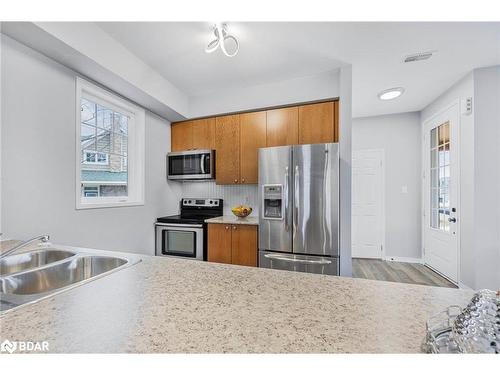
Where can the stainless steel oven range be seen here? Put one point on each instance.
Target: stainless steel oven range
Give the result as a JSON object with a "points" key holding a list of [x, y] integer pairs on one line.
{"points": [[185, 235]]}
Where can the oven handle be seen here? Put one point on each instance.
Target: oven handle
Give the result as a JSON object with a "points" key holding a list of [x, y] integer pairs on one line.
{"points": [[180, 225]]}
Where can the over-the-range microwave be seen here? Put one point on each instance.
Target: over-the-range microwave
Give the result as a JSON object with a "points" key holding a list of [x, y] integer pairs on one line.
{"points": [[191, 165]]}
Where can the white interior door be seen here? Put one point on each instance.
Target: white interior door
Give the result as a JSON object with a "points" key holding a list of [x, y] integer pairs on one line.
{"points": [[367, 204], [441, 195]]}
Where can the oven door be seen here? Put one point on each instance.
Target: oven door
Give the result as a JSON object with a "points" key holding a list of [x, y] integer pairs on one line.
{"points": [[190, 165], [181, 240]]}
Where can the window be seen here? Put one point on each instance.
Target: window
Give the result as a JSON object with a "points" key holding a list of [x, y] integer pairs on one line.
{"points": [[110, 149], [94, 157], [440, 177]]}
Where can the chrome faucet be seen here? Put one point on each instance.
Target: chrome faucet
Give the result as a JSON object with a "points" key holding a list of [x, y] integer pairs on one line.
{"points": [[44, 238]]}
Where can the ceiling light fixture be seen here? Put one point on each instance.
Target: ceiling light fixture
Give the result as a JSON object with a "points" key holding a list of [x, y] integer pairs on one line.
{"points": [[390, 94], [221, 37]]}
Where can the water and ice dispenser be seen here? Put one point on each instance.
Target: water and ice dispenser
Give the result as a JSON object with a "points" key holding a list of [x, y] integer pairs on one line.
{"points": [[273, 202]]}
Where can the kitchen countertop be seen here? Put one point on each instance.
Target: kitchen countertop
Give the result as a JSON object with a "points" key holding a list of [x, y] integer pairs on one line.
{"points": [[174, 305], [249, 220]]}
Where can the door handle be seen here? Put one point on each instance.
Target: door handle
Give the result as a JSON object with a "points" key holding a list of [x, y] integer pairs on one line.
{"points": [[452, 219], [202, 163], [295, 260]]}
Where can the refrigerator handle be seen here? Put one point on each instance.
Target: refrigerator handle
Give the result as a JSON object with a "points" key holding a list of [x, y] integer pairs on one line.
{"points": [[296, 260], [296, 200], [286, 199]]}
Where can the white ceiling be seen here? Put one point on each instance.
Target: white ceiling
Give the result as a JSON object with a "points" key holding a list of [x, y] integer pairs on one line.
{"points": [[271, 52]]}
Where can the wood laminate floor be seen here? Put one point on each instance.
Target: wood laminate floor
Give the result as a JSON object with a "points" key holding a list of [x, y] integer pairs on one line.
{"points": [[412, 273]]}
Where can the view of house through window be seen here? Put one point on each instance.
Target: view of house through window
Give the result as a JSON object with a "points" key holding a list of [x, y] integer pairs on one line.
{"points": [[103, 149]]}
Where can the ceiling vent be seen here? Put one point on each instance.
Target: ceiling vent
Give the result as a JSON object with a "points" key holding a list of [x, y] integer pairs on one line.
{"points": [[418, 56]]}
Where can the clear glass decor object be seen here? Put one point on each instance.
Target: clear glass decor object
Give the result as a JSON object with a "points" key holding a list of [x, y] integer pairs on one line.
{"points": [[473, 329]]}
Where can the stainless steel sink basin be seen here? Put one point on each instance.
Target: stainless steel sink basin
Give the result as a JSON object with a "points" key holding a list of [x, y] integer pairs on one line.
{"points": [[59, 276], [30, 277], [34, 259]]}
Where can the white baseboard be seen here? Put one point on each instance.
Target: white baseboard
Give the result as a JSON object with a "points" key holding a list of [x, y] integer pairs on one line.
{"points": [[389, 258]]}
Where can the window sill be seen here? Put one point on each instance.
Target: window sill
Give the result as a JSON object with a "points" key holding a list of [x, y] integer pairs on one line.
{"points": [[107, 204]]}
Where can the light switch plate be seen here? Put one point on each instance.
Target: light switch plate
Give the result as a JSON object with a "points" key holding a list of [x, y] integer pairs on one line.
{"points": [[467, 106]]}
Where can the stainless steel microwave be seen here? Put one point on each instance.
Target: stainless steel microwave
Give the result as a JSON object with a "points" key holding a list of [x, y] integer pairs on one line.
{"points": [[191, 165]]}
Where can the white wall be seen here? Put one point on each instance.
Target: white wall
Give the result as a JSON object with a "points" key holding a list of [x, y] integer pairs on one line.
{"points": [[462, 90], [487, 177], [38, 153], [73, 44], [399, 136], [480, 175], [321, 86]]}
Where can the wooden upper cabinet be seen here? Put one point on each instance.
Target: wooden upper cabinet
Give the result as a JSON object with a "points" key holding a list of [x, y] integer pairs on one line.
{"points": [[193, 135], [316, 123], [282, 127], [182, 136], [219, 243], [244, 245], [203, 134], [252, 137], [336, 114], [227, 146]]}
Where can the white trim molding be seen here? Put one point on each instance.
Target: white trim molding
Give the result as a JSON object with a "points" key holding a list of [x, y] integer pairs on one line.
{"points": [[389, 258], [136, 147]]}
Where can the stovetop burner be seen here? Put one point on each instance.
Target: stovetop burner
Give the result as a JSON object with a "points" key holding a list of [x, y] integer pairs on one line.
{"points": [[195, 211]]}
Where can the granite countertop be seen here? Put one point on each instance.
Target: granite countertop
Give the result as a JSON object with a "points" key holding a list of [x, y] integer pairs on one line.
{"points": [[175, 305], [249, 220]]}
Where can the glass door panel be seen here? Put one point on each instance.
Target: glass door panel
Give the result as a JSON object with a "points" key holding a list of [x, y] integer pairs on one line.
{"points": [[440, 177]]}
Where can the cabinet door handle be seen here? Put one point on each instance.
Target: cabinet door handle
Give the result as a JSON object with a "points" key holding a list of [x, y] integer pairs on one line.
{"points": [[227, 227], [235, 181], [242, 180], [234, 227]]}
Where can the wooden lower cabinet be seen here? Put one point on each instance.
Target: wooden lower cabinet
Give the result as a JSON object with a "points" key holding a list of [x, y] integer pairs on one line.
{"points": [[219, 243], [244, 245], [234, 244]]}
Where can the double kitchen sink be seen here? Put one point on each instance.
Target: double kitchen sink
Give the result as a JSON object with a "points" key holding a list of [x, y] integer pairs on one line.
{"points": [[31, 276]]}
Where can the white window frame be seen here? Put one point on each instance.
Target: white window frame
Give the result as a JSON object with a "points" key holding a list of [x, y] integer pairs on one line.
{"points": [[135, 152], [105, 162]]}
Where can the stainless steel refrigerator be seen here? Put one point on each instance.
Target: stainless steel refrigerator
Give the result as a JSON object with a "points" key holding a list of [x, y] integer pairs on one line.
{"points": [[299, 208]]}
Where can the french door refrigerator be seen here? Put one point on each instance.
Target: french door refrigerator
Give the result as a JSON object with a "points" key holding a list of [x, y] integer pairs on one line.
{"points": [[299, 208]]}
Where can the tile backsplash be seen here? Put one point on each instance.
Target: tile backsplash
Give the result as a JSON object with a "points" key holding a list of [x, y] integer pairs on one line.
{"points": [[233, 195]]}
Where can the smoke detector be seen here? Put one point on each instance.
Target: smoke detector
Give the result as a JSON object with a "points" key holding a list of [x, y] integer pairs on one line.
{"points": [[418, 56]]}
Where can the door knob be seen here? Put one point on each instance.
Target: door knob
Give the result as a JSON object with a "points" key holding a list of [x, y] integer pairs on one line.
{"points": [[452, 219]]}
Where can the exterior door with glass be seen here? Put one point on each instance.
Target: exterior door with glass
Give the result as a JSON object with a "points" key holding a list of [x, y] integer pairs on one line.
{"points": [[441, 192]]}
